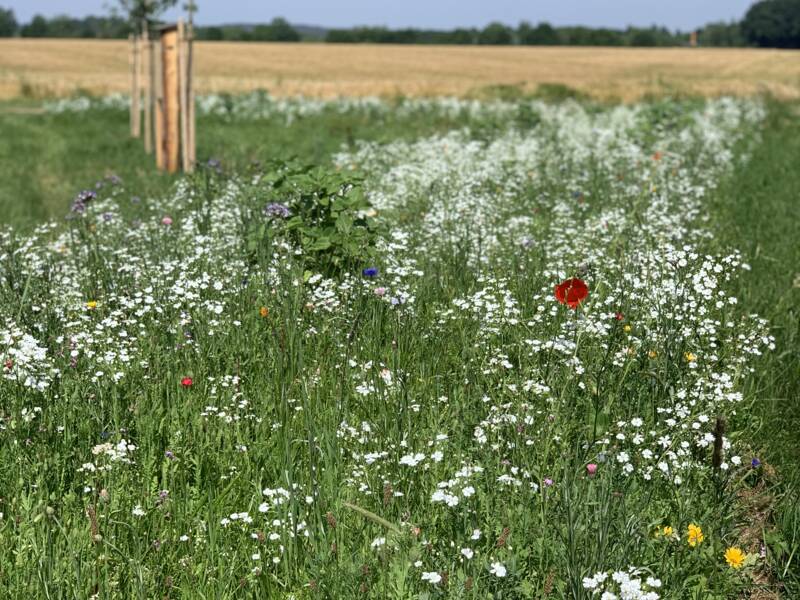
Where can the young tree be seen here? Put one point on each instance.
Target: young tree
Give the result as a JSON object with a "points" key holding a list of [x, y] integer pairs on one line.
{"points": [[8, 23], [143, 13]]}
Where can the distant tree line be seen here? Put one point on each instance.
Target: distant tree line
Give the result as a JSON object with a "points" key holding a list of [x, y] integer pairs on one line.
{"points": [[768, 23], [544, 34], [63, 26], [278, 30]]}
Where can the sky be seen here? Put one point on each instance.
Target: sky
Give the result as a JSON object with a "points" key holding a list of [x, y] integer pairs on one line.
{"points": [[434, 14]]}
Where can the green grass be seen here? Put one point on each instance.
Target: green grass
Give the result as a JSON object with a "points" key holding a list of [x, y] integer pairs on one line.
{"points": [[46, 159], [758, 212]]}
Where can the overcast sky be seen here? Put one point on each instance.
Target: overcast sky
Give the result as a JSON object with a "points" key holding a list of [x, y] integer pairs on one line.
{"points": [[674, 14]]}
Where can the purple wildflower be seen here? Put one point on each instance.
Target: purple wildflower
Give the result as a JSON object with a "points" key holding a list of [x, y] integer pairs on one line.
{"points": [[277, 210], [80, 201]]}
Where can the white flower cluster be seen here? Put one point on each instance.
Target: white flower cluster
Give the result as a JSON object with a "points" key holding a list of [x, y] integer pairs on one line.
{"points": [[622, 585], [260, 105]]}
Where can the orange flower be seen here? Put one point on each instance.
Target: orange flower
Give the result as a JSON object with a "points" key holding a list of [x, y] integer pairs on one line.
{"points": [[263, 311]]}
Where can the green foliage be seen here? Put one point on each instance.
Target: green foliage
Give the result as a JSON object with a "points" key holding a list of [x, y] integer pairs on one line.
{"points": [[768, 23], [8, 23], [722, 34], [36, 28], [773, 23], [496, 34], [63, 26], [139, 11], [558, 92], [331, 219], [278, 30], [543, 34]]}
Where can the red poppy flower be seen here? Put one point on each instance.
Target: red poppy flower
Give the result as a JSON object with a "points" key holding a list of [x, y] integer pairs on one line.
{"points": [[572, 292], [187, 382], [619, 316]]}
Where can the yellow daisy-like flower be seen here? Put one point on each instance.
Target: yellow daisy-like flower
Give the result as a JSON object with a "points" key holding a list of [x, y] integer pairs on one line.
{"points": [[263, 311], [627, 328], [652, 354], [690, 357], [695, 535], [735, 557], [91, 304], [665, 531]]}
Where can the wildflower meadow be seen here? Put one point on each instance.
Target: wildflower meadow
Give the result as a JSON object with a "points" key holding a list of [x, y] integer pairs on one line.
{"points": [[506, 358]]}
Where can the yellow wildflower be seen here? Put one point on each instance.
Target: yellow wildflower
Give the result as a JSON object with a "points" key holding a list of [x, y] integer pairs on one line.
{"points": [[695, 535], [689, 356], [734, 557], [665, 531], [652, 354], [627, 328], [91, 304], [263, 311]]}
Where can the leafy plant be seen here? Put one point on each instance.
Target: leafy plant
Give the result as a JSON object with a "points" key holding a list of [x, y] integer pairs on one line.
{"points": [[323, 212]]}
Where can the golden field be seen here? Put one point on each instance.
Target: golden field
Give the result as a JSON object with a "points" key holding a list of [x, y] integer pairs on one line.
{"points": [[62, 67]]}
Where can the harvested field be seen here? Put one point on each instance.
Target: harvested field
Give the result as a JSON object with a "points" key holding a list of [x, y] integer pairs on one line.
{"points": [[40, 68]]}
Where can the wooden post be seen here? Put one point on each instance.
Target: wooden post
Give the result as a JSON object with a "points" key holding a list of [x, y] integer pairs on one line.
{"points": [[191, 150], [168, 114], [158, 107], [184, 99], [148, 68], [136, 125]]}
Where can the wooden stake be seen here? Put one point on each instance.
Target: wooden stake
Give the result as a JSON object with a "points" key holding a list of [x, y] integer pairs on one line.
{"points": [[184, 100], [134, 108], [169, 105], [149, 76], [158, 108], [191, 8]]}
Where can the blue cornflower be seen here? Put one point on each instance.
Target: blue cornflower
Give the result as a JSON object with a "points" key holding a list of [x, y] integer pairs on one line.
{"points": [[755, 463], [370, 272]]}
